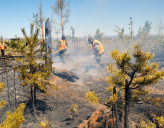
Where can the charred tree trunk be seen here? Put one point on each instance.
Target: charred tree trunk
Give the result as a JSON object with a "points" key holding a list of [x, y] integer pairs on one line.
{"points": [[113, 114], [73, 40], [7, 82], [115, 105], [127, 104], [15, 90], [35, 96], [32, 94], [131, 30], [117, 123], [33, 104]]}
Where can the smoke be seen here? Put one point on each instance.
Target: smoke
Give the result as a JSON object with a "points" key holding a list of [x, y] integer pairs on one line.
{"points": [[79, 61], [78, 57]]}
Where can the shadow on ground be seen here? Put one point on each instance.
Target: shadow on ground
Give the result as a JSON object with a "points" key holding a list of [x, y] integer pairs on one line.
{"points": [[41, 106]]}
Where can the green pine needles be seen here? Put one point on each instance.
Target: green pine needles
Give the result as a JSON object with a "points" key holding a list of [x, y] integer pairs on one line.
{"points": [[14, 120], [129, 77], [35, 65], [33, 69]]}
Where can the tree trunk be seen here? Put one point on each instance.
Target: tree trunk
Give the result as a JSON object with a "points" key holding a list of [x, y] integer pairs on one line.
{"points": [[117, 125], [115, 106], [131, 29], [31, 94], [131, 32], [42, 29], [73, 40], [15, 90], [35, 96], [112, 113], [33, 104], [127, 105], [62, 25], [41, 20]]}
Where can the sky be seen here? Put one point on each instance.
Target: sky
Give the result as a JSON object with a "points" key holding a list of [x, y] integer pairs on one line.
{"points": [[86, 16]]}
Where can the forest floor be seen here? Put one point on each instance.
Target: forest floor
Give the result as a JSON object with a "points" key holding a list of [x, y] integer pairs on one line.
{"points": [[74, 79]]}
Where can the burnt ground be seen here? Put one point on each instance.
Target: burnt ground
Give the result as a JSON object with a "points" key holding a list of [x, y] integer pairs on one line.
{"points": [[74, 78]]}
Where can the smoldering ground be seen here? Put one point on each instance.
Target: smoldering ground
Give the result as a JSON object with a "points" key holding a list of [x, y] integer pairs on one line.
{"points": [[78, 58], [79, 61]]}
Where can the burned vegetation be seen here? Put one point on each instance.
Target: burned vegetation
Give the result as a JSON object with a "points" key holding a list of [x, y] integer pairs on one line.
{"points": [[120, 86]]}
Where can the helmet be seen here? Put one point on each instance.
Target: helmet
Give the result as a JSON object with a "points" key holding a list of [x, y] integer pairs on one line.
{"points": [[63, 37], [90, 39]]}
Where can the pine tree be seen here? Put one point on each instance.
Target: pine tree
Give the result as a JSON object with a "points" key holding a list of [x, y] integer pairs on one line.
{"points": [[38, 19], [33, 71], [73, 111], [128, 80], [147, 27], [130, 75], [73, 32], [139, 34], [120, 32], [98, 34], [62, 10], [131, 27], [44, 124]]}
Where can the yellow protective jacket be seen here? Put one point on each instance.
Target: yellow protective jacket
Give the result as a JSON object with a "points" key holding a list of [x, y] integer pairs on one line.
{"points": [[101, 48], [2, 46], [63, 44]]}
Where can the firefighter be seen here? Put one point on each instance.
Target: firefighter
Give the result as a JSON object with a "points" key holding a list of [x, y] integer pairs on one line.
{"points": [[97, 48], [62, 45], [2, 46]]}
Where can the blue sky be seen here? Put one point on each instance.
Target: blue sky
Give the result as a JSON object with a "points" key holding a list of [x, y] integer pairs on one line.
{"points": [[86, 15]]}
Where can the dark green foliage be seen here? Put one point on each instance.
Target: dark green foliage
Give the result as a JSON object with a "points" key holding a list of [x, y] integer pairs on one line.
{"points": [[145, 30], [139, 34], [73, 34], [131, 27], [147, 26], [120, 32], [16, 44], [98, 34]]}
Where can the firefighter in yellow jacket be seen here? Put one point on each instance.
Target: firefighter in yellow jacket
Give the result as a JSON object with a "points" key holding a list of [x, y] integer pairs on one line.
{"points": [[62, 45], [97, 48], [2, 46]]}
